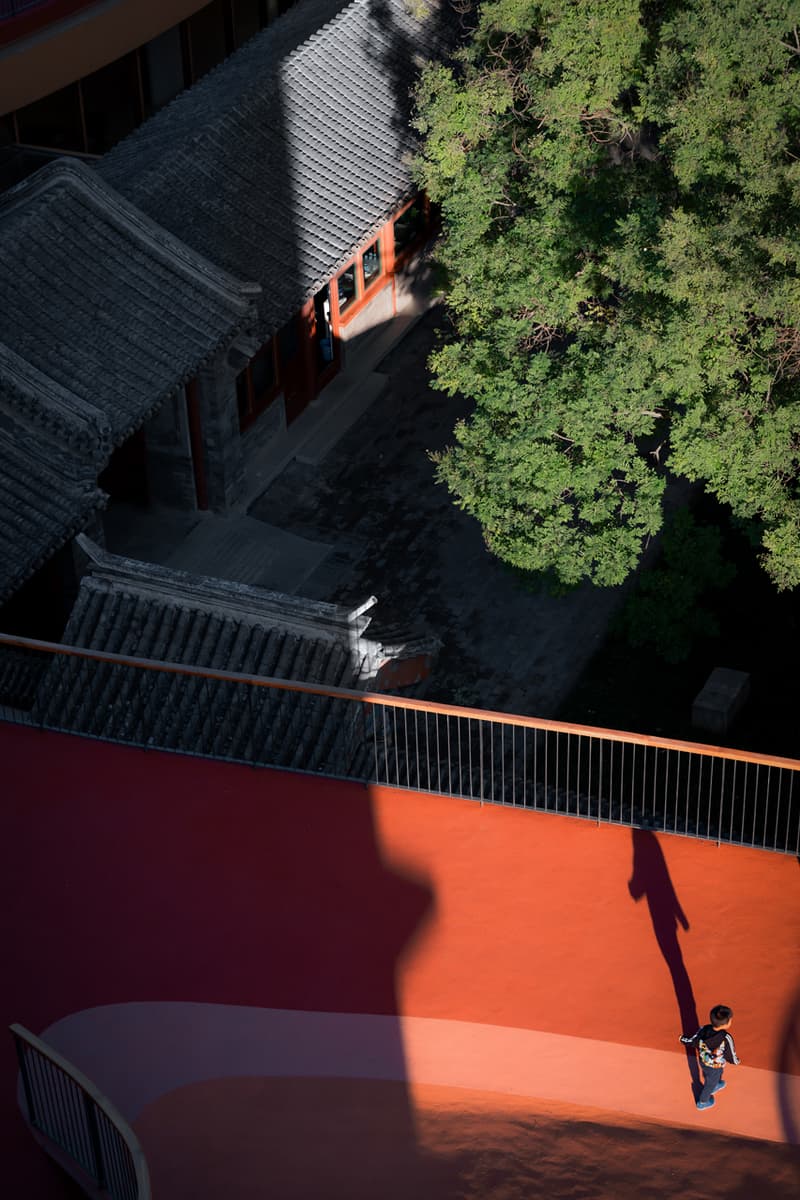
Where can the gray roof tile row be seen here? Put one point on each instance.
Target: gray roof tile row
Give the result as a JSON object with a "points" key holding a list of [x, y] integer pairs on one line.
{"points": [[47, 494], [103, 303], [102, 316], [145, 611]]}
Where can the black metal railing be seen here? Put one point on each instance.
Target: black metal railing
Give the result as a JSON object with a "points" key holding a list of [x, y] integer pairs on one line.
{"points": [[77, 1126], [597, 774]]}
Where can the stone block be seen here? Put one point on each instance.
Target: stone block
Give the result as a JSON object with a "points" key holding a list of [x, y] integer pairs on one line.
{"points": [[720, 700]]}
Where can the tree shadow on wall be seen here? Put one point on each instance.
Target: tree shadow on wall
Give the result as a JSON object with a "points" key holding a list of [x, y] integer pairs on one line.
{"points": [[650, 879]]}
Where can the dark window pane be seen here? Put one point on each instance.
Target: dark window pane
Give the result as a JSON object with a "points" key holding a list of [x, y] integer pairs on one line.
{"points": [[111, 103], [207, 35], [55, 121], [162, 69], [246, 19], [263, 370], [371, 263], [409, 226], [346, 284]]}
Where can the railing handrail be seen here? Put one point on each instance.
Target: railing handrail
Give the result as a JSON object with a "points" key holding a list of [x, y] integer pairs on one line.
{"points": [[378, 699], [109, 1110]]}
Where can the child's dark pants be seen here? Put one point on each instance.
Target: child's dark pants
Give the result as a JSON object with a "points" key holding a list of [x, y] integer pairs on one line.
{"points": [[712, 1076]]}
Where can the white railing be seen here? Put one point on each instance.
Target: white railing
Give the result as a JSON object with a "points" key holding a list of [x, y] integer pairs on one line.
{"points": [[77, 1126]]}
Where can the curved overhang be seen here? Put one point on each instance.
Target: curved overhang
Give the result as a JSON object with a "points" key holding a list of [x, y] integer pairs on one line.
{"points": [[69, 41]]}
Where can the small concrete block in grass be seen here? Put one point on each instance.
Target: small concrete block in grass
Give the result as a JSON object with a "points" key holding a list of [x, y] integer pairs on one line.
{"points": [[722, 697]]}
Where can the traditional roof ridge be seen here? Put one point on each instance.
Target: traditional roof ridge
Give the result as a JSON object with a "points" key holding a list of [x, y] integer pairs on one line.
{"points": [[42, 401], [240, 601], [112, 313], [133, 222]]}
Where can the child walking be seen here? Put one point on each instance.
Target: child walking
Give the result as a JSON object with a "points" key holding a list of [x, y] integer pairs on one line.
{"points": [[715, 1048]]}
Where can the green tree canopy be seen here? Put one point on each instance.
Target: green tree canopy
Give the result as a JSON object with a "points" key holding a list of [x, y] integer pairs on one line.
{"points": [[620, 191]]}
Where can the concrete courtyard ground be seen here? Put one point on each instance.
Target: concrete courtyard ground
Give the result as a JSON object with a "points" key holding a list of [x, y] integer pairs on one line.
{"points": [[361, 514]]}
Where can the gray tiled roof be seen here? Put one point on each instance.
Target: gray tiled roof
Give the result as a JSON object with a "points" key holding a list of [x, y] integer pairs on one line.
{"points": [[282, 160], [146, 611], [46, 495], [111, 313]]}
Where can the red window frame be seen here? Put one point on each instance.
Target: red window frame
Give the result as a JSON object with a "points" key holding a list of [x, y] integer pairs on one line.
{"points": [[363, 294], [400, 257]]}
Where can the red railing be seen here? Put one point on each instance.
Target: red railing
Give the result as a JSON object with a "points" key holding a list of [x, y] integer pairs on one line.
{"points": [[603, 775]]}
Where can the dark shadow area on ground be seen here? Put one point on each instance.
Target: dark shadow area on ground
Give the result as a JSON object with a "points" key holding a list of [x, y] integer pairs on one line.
{"points": [[622, 688], [650, 879]]}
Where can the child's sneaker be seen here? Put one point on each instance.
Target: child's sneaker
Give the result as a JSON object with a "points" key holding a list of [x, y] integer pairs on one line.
{"points": [[722, 1084], [705, 1104]]}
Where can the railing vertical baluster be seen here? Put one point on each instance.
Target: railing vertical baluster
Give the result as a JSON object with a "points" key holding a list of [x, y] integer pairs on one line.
{"points": [[755, 801], [428, 748], [677, 789], [778, 806], [600, 783], [558, 747], [733, 800], [406, 750], [374, 718], [655, 778], [449, 759], [710, 790], [611, 749], [546, 790], [396, 751], [27, 1091], [579, 741], [744, 805], [94, 1141]]}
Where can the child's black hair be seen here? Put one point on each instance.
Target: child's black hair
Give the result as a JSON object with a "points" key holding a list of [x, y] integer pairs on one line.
{"points": [[721, 1014]]}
